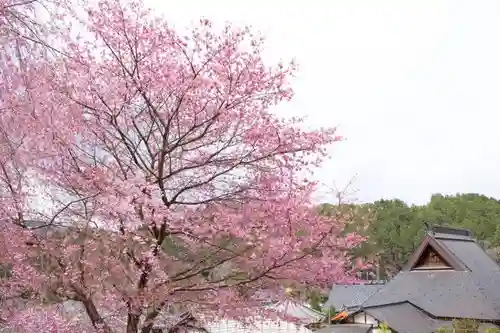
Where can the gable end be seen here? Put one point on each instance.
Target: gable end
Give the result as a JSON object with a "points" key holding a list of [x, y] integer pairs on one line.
{"points": [[430, 255], [431, 259]]}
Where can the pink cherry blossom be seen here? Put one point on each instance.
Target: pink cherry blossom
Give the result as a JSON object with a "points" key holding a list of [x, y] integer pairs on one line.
{"points": [[143, 172]]}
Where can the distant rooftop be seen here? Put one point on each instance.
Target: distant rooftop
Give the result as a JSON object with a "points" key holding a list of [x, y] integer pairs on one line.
{"points": [[352, 295], [439, 231]]}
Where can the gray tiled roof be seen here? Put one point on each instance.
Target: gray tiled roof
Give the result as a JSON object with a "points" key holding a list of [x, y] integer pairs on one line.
{"points": [[485, 271], [350, 295], [404, 317], [441, 293], [468, 293]]}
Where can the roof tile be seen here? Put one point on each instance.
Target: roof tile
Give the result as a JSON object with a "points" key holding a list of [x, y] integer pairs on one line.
{"points": [[468, 293], [351, 295]]}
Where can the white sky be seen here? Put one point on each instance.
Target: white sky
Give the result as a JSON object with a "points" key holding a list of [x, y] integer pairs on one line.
{"points": [[414, 86]]}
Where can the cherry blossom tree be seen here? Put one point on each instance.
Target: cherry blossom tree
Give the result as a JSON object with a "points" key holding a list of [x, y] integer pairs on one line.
{"points": [[32, 28], [143, 172]]}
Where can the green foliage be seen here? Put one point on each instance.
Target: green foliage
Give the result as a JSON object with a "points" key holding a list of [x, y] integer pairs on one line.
{"points": [[465, 326], [495, 241], [394, 234], [329, 312], [174, 246], [5, 271], [316, 299], [384, 328], [492, 330], [394, 229]]}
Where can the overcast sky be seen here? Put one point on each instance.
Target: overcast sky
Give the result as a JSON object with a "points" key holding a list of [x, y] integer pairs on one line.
{"points": [[414, 86]]}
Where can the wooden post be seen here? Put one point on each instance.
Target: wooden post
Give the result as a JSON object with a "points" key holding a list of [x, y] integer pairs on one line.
{"points": [[378, 267]]}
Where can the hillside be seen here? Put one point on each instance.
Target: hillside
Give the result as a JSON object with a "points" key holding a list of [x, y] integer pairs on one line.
{"points": [[394, 228]]}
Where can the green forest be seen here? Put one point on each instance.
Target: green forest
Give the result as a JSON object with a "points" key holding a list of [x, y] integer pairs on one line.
{"points": [[394, 229]]}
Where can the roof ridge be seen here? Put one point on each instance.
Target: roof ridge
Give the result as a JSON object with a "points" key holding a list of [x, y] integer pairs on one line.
{"points": [[447, 230], [406, 301], [450, 237]]}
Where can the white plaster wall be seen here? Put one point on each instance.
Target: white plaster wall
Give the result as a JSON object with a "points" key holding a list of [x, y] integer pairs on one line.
{"points": [[359, 318]]}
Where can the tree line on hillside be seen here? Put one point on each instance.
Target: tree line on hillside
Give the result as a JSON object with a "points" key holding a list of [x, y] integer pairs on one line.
{"points": [[394, 229]]}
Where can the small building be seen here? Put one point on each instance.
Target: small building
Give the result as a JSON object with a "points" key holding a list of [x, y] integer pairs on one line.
{"points": [[297, 312], [448, 277], [300, 315], [259, 326]]}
